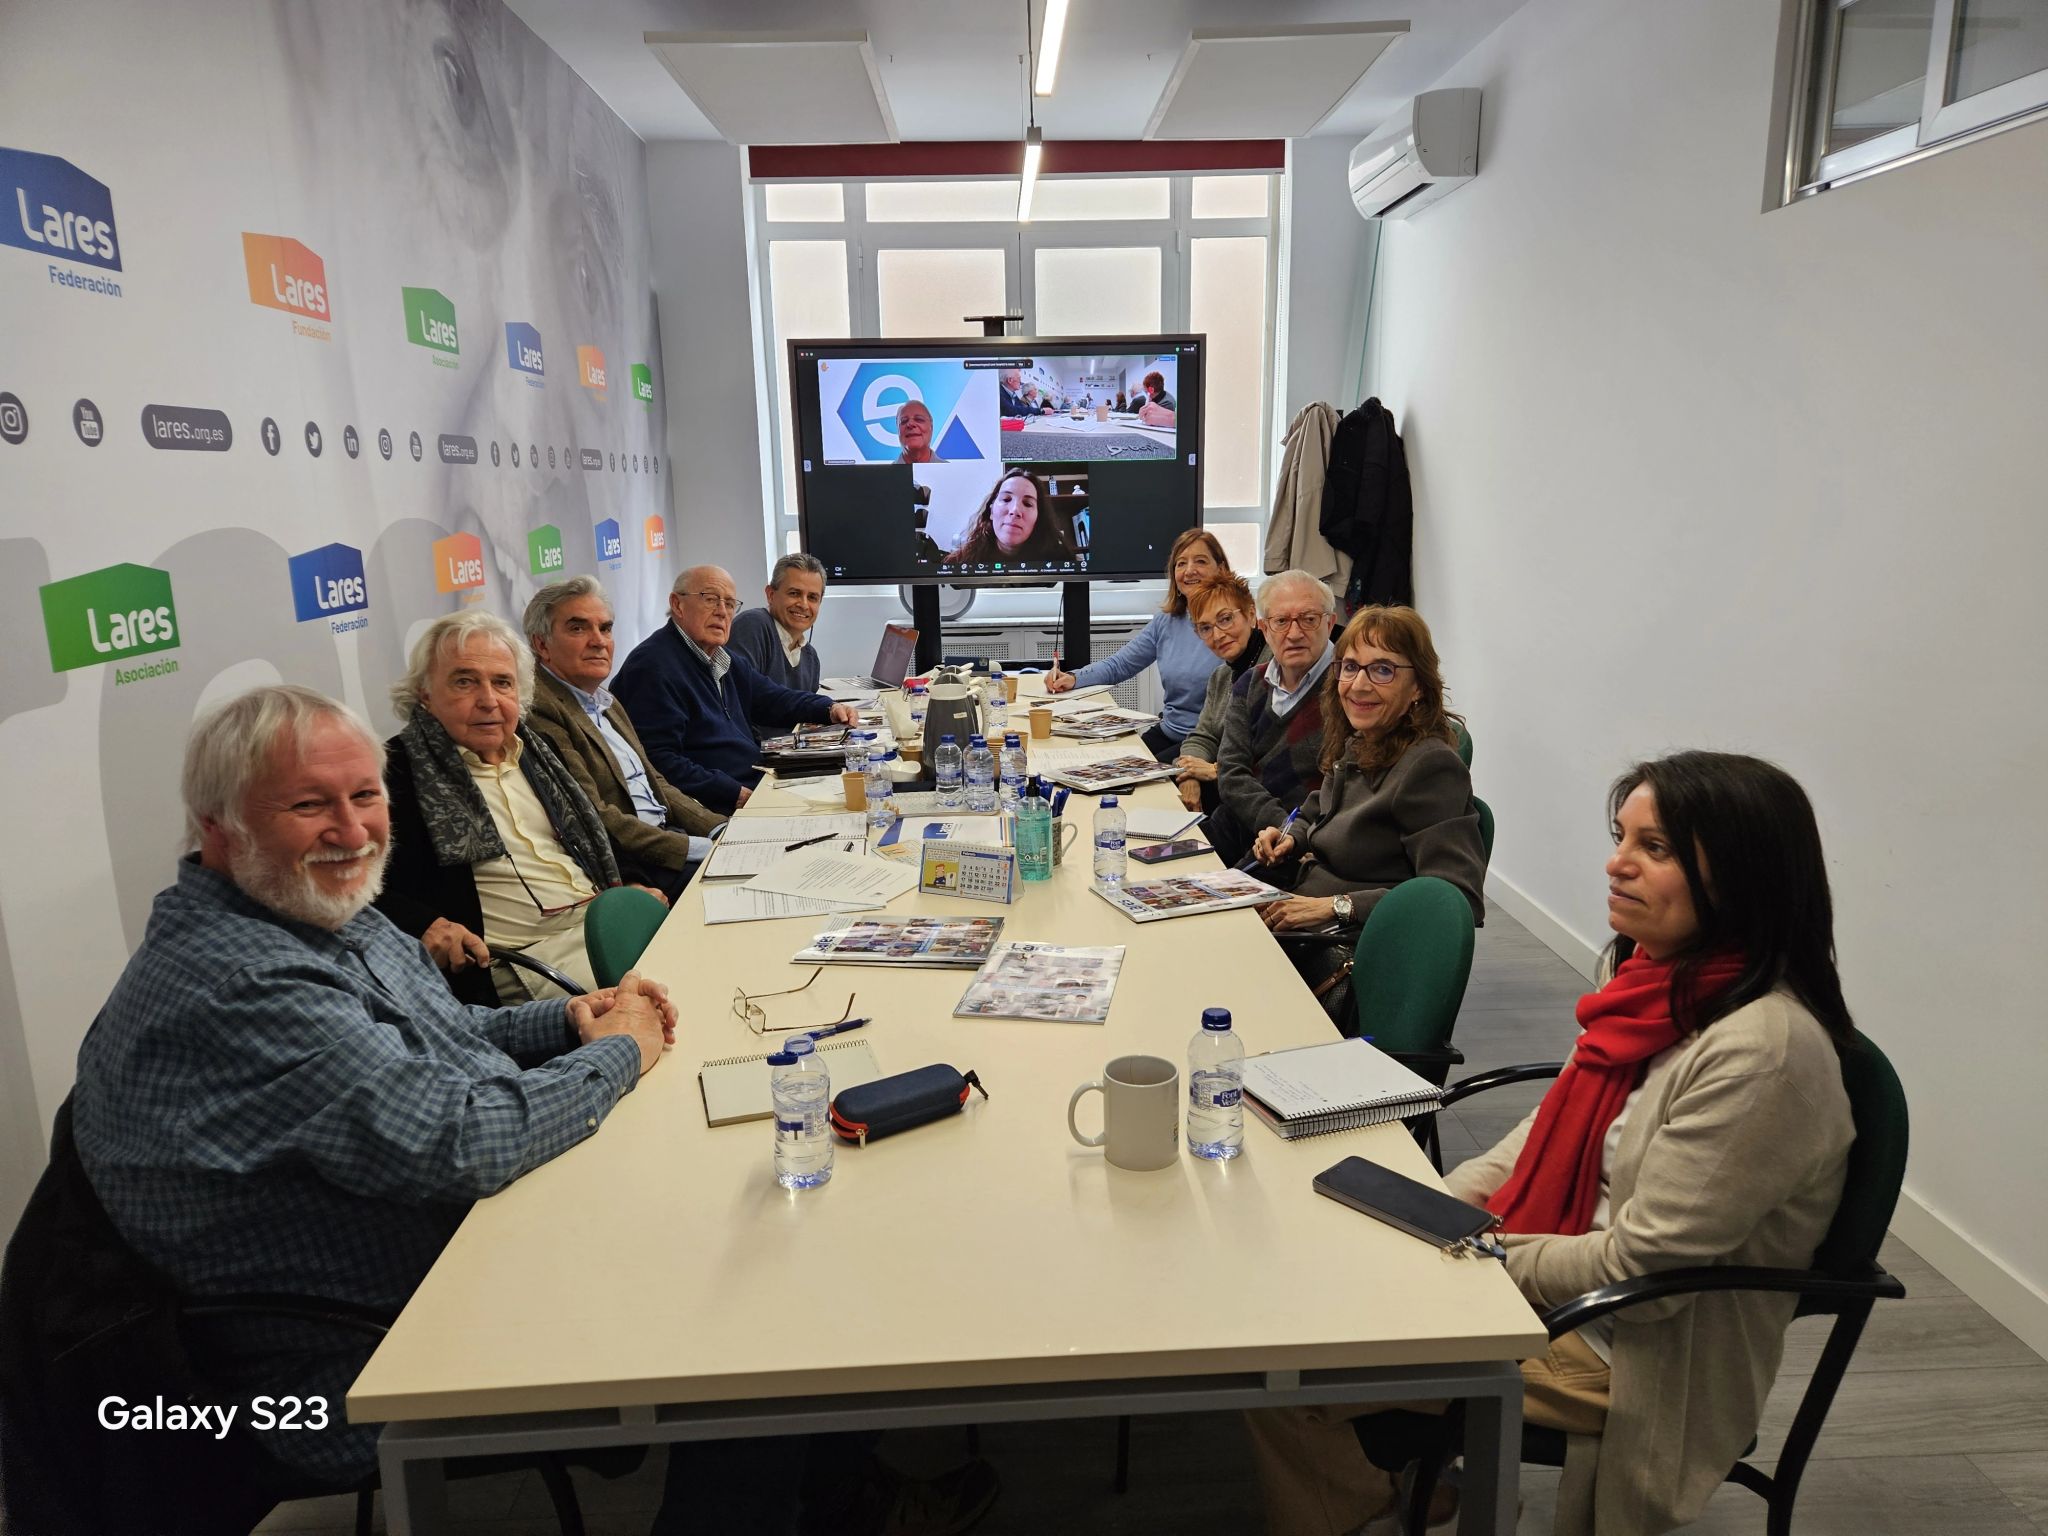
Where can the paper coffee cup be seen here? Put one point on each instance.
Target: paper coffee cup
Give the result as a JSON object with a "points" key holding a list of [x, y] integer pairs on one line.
{"points": [[1041, 723], [856, 790]]}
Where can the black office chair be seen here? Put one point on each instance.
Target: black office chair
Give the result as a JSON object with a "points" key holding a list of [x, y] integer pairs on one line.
{"points": [[1845, 1282], [520, 961]]}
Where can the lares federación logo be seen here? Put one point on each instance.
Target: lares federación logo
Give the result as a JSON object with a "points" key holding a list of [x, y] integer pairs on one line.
{"points": [[328, 583], [458, 563], [56, 211], [523, 351], [544, 550], [111, 615], [430, 323], [611, 544], [643, 383]]}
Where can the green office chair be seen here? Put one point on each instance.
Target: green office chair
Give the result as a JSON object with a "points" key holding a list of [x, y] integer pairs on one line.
{"points": [[1485, 826], [1464, 741], [617, 928], [1845, 1282]]}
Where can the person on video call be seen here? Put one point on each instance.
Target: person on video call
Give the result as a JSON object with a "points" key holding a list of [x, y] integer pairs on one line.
{"points": [[914, 432], [1014, 525], [1155, 407]]}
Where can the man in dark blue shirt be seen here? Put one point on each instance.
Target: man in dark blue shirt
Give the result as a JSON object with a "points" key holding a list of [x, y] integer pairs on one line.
{"points": [[697, 706], [281, 1093]]}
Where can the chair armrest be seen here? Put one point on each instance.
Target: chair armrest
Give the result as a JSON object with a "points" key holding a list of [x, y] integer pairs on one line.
{"points": [[540, 968], [318, 1309], [1500, 1077], [1809, 1283], [1332, 933]]}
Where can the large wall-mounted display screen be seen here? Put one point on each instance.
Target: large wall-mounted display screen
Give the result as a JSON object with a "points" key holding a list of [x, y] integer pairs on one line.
{"points": [[997, 459]]}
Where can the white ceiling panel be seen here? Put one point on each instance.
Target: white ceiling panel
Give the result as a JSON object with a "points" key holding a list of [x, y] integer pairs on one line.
{"points": [[1266, 83], [791, 87]]}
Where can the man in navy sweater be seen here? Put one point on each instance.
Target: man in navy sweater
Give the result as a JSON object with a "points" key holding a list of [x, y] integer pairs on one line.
{"points": [[697, 705]]}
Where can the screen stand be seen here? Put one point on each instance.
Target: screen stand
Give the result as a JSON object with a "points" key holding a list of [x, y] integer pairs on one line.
{"points": [[1074, 625], [924, 618]]}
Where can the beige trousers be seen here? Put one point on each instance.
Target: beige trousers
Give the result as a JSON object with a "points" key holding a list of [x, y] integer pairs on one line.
{"points": [[1317, 1481]]}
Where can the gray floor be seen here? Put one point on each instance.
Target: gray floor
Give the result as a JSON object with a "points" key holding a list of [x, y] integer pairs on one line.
{"points": [[1941, 1426]]}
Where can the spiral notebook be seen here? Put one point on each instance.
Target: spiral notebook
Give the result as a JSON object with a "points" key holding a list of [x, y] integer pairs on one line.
{"points": [[1316, 1089], [735, 1088]]}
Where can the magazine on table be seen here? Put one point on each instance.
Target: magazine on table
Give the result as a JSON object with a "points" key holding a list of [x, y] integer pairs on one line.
{"points": [[1055, 982], [1112, 773], [807, 741], [1148, 901], [1102, 725], [923, 941]]}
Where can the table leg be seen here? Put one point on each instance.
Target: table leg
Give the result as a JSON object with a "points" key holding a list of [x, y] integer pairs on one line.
{"points": [[415, 1494], [1493, 1462]]}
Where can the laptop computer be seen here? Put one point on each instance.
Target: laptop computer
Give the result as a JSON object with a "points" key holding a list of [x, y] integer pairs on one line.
{"points": [[892, 664]]}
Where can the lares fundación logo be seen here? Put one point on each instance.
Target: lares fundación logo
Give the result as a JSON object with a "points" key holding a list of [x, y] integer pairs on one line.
{"points": [[430, 323], [284, 275], [110, 615], [56, 210], [544, 550], [328, 582], [643, 383], [523, 354], [611, 545], [590, 370], [458, 563], [657, 536]]}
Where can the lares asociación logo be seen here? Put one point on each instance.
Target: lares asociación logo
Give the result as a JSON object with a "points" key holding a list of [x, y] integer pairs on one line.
{"points": [[544, 550], [430, 323], [111, 614], [643, 383], [328, 583], [523, 353], [56, 211]]}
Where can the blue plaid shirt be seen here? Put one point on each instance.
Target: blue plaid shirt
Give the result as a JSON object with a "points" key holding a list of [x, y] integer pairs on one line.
{"points": [[267, 1106]]}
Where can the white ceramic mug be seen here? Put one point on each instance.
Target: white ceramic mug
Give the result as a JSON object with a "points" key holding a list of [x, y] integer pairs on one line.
{"points": [[1063, 834], [1140, 1113]]}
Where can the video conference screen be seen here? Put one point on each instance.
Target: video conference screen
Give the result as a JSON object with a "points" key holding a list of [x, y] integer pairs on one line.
{"points": [[991, 460]]}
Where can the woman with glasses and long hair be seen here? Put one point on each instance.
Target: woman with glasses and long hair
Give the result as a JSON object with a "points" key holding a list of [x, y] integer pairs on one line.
{"points": [[1225, 619], [1395, 799], [1701, 1120], [1015, 525], [1185, 661]]}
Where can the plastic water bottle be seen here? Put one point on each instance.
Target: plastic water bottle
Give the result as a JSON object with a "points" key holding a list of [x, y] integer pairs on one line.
{"points": [[1111, 859], [1013, 770], [858, 744], [946, 769], [981, 777], [1216, 1088], [802, 1095], [881, 809], [995, 708]]}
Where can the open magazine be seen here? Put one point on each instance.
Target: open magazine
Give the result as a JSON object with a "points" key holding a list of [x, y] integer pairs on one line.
{"points": [[1147, 901], [1112, 773], [1044, 981], [928, 941]]}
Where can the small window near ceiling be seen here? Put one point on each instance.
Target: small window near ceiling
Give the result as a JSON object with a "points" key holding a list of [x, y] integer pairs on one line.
{"points": [[1243, 546], [1097, 290], [821, 202], [1230, 197], [929, 293], [1108, 197], [942, 202], [1227, 302]]}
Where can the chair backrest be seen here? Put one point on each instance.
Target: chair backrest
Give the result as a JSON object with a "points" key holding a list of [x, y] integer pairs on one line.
{"points": [[1464, 741], [1485, 826], [617, 927], [1877, 1161], [1414, 956]]}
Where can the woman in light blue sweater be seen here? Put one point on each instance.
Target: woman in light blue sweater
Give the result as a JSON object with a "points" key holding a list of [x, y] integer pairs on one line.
{"points": [[1169, 642]]}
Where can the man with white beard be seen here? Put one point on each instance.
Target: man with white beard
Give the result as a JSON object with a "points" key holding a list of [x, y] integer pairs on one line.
{"points": [[282, 1095]]}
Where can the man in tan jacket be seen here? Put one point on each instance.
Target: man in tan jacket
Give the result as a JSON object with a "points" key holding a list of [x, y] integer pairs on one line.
{"points": [[659, 833]]}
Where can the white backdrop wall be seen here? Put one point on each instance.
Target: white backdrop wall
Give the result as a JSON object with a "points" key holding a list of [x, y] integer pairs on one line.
{"points": [[432, 147], [1691, 475]]}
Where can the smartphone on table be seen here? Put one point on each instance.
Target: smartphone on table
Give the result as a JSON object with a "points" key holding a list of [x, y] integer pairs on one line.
{"points": [[1166, 853]]}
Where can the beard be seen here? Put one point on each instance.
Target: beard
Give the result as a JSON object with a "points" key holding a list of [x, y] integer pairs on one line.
{"points": [[289, 888]]}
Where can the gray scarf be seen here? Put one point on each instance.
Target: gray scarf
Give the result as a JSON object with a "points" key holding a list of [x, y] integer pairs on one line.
{"points": [[458, 822]]}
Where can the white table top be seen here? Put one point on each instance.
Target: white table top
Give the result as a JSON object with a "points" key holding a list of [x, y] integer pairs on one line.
{"points": [[659, 1262]]}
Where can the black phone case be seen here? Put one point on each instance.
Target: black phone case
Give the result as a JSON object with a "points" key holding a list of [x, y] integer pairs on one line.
{"points": [[1186, 853], [1437, 1218], [899, 1103]]}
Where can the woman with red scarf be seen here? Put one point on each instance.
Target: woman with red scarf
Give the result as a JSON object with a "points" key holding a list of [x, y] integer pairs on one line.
{"points": [[1701, 1119]]}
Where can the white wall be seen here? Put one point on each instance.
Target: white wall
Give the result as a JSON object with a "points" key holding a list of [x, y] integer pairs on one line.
{"points": [[1691, 475], [1330, 253]]}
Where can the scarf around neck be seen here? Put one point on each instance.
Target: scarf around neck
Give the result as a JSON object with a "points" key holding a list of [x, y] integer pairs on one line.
{"points": [[459, 824], [1253, 655], [1555, 1184]]}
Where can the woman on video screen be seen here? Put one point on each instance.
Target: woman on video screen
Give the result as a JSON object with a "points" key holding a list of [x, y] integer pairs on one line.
{"points": [[1015, 525]]}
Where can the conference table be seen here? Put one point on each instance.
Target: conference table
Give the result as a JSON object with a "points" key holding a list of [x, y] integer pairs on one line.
{"points": [[655, 1284]]}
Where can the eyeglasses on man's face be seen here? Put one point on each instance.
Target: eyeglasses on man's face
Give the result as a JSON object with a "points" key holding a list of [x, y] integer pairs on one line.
{"points": [[718, 601], [1307, 623], [749, 1009], [1380, 672]]}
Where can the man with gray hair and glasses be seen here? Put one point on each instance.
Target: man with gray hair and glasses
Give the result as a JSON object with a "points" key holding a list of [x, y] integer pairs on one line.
{"points": [[282, 1095], [775, 639], [1270, 757], [659, 833]]}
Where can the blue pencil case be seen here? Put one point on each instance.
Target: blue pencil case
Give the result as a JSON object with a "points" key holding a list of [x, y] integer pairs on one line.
{"points": [[900, 1103]]}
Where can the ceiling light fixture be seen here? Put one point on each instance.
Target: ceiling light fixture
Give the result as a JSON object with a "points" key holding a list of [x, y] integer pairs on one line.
{"points": [[1034, 151], [1049, 36]]}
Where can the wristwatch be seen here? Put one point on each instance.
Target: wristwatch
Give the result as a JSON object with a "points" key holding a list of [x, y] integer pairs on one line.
{"points": [[1341, 905]]}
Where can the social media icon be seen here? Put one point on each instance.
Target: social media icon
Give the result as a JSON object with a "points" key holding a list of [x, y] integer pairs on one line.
{"points": [[533, 453], [615, 462], [314, 441], [272, 438], [551, 456], [494, 453], [13, 418], [417, 447], [350, 443], [384, 442], [515, 455], [86, 422]]}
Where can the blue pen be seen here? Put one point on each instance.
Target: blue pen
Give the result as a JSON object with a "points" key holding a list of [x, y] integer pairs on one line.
{"points": [[834, 1029], [1286, 827], [1059, 802]]}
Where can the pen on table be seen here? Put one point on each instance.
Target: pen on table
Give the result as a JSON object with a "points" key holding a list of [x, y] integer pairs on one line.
{"points": [[833, 1029], [822, 837]]}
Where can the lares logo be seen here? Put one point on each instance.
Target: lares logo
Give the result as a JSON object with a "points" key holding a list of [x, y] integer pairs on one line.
{"points": [[283, 274], [458, 563], [430, 322], [57, 210], [657, 536], [523, 352], [611, 547], [868, 408], [590, 369], [328, 582], [643, 383], [544, 550], [109, 614]]}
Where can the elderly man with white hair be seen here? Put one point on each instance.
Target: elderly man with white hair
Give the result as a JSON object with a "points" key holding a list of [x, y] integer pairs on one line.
{"points": [[497, 846], [1270, 757], [282, 1095]]}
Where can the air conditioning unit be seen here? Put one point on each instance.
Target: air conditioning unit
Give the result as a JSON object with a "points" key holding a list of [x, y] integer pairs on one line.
{"points": [[1428, 149]]}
